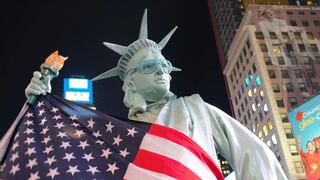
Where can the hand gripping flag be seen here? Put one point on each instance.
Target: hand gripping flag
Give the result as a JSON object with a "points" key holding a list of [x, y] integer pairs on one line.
{"points": [[57, 139]]}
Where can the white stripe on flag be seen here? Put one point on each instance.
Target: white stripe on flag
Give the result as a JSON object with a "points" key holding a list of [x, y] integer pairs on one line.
{"points": [[177, 152], [137, 173]]}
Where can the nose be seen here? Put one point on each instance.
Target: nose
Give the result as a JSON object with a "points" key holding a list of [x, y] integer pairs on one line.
{"points": [[159, 70]]}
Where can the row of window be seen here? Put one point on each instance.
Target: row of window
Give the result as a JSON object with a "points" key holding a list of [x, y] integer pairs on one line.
{"points": [[293, 61], [285, 35], [277, 48], [302, 13]]}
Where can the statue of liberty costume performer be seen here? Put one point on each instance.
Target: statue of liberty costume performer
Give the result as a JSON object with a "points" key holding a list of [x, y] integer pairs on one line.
{"points": [[146, 76]]}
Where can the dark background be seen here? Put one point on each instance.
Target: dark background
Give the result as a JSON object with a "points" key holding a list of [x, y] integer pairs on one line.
{"points": [[31, 30]]}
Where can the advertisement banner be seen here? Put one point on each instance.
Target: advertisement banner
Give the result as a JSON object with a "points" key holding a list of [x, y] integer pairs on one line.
{"points": [[305, 121]]}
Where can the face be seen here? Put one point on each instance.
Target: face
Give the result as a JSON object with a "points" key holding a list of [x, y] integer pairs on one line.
{"points": [[309, 146], [152, 86]]}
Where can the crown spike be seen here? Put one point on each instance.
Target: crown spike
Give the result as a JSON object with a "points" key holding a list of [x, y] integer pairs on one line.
{"points": [[164, 41], [122, 50], [110, 73], [144, 26]]}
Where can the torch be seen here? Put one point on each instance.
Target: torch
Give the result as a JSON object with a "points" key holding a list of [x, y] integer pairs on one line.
{"points": [[50, 68]]}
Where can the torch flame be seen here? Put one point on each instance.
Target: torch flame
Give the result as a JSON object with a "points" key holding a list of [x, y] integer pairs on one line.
{"points": [[56, 60]]}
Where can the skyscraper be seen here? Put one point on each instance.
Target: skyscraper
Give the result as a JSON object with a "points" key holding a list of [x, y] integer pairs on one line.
{"points": [[273, 65]]}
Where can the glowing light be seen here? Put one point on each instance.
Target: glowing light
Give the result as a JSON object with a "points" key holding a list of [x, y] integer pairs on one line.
{"points": [[247, 81], [253, 106], [250, 93], [261, 93], [274, 139], [258, 80], [265, 108]]}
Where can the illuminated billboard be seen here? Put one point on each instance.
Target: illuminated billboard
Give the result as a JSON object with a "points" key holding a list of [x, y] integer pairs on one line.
{"points": [[305, 121], [78, 90]]}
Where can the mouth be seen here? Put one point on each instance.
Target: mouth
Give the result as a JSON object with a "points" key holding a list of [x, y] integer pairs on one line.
{"points": [[160, 81]]}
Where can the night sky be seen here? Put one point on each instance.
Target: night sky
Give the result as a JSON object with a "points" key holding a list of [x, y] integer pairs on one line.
{"points": [[31, 30]]}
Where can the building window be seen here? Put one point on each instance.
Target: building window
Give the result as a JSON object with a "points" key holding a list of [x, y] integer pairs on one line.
{"points": [[254, 68], [270, 126], [316, 23], [313, 13], [237, 65], [302, 48], [244, 51], [297, 73], [289, 87], [298, 167], [306, 60], [293, 23], [294, 61], [288, 132], [302, 87], [280, 60], [315, 87], [310, 36], [289, 12], [314, 48], [277, 48], [273, 35], [280, 103], [293, 101], [265, 130], [267, 60], [285, 36], [263, 47], [284, 117], [248, 44], [301, 13], [272, 74], [297, 35], [274, 139], [289, 48], [305, 23], [311, 73], [285, 73], [259, 35], [293, 149]]}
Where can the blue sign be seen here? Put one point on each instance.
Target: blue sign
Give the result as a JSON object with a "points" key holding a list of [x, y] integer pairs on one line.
{"points": [[78, 90]]}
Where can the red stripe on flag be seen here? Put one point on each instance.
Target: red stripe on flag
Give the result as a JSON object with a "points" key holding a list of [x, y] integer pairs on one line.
{"points": [[183, 140], [161, 164]]}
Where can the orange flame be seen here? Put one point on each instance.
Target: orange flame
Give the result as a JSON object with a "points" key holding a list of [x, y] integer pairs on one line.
{"points": [[56, 60]]}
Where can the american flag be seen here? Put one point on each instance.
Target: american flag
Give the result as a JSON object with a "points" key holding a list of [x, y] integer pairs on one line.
{"points": [[57, 139]]}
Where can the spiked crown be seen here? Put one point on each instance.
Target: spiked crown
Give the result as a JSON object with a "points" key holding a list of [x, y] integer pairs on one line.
{"points": [[128, 52]]}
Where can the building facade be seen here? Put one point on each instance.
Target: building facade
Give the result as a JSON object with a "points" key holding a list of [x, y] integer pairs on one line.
{"points": [[273, 65]]}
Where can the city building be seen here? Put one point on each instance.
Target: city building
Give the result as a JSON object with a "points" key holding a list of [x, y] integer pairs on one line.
{"points": [[273, 65]]}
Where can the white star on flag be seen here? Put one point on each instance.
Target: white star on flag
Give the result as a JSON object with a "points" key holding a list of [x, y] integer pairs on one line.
{"points": [[109, 126], [15, 145], [79, 133], [30, 151], [99, 142], [96, 134], [48, 150], [46, 140], [106, 153], [59, 125], [57, 117], [90, 123], [44, 131], [34, 176], [28, 131], [88, 157], [124, 153], [29, 114], [14, 169], [73, 170], [74, 124], [43, 121], [83, 144], [32, 163], [65, 145], [117, 140], [61, 134], [28, 122], [54, 110], [69, 156], [41, 112], [50, 160], [29, 141], [131, 132], [40, 104], [92, 169], [74, 117], [112, 167], [53, 172], [14, 156]]}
